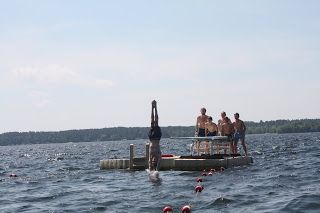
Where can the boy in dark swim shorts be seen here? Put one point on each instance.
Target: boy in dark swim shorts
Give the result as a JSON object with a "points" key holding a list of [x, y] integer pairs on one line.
{"points": [[239, 134], [154, 137], [201, 123], [211, 129], [200, 127]]}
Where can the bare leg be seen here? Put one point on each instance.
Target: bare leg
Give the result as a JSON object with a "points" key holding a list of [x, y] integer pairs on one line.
{"points": [[156, 118], [152, 157], [198, 147], [158, 162], [152, 116], [231, 147], [206, 151], [244, 147], [150, 163], [234, 148]]}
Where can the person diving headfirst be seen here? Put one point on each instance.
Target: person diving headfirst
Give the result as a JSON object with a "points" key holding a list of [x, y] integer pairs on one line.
{"points": [[154, 137]]}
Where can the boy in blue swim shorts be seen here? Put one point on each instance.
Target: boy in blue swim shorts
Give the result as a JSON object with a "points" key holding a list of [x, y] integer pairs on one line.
{"points": [[239, 134]]}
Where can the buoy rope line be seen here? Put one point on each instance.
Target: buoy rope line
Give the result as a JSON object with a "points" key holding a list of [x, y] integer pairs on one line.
{"points": [[197, 189]]}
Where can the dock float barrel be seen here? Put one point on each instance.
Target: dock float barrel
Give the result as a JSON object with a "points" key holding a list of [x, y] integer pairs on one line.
{"points": [[180, 163], [114, 164]]}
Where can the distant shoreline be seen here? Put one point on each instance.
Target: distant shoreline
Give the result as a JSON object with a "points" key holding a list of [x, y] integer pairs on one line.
{"points": [[132, 133]]}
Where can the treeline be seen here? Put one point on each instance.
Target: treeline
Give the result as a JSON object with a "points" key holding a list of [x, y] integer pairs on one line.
{"points": [[90, 135], [131, 133], [283, 126]]}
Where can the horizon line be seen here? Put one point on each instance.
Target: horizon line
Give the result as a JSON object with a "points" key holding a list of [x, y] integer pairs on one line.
{"points": [[36, 131]]}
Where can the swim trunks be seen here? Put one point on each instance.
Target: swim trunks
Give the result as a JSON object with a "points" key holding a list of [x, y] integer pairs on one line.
{"points": [[238, 136], [230, 136], [212, 134], [201, 132], [155, 133]]}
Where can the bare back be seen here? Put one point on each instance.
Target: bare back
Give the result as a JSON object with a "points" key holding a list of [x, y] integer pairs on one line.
{"points": [[226, 128], [211, 127]]}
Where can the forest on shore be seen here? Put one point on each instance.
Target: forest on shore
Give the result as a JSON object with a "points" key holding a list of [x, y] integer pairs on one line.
{"points": [[131, 133]]}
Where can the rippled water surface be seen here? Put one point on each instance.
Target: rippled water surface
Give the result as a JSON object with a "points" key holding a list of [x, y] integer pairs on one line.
{"points": [[66, 178]]}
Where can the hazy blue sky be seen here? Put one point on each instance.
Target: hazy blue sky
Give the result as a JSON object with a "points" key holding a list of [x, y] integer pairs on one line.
{"points": [[91, 64]]}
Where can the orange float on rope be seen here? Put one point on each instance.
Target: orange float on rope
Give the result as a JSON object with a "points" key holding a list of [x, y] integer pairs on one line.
{"points": [[186, 209], [210, 173], [204, 174], [199, 180], [198, 188], [167, 209], [222, 169]]}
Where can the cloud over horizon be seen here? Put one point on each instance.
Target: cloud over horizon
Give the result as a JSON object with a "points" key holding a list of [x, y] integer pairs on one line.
{"points": [[58, 74]]}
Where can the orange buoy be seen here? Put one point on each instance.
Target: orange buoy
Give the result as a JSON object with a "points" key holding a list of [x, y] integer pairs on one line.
{"points": [[222, 169], [199, 180], [13, 175], [210, 173], [186, 209], [167, 209], [198, 188]]}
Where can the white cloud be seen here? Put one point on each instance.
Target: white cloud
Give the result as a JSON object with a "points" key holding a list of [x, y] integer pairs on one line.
{"points": [[59, 74], [46, 74]]}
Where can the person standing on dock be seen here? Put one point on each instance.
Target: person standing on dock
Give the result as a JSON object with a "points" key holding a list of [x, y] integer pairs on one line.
{"points": [[211, 129], [201, 123], [227, 129], [201, 126], [239, 133], [154, 137], [221, 121]]}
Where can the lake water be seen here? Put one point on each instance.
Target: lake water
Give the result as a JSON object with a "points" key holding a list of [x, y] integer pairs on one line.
{"points": [[66, 178]]}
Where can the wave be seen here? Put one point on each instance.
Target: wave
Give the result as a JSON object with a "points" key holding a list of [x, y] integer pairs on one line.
{"points": [[303, 203]]}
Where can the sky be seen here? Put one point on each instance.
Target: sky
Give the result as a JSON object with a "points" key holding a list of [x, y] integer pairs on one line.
{"points": [[80, 64]]}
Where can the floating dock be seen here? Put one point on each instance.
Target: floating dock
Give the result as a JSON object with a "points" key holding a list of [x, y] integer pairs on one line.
{"points": [[184, 163]]}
